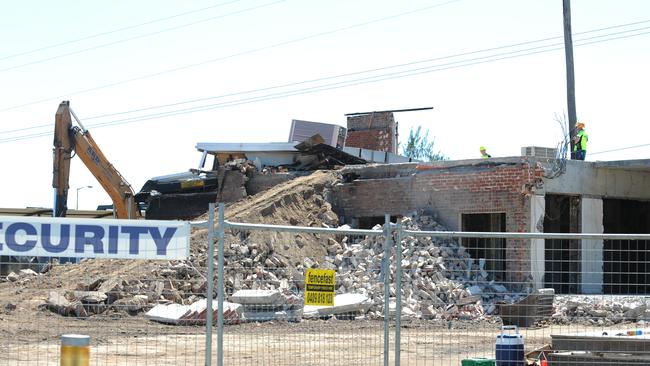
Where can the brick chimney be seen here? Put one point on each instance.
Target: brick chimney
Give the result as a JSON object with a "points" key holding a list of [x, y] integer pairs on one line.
{"points": [[372, 130]]}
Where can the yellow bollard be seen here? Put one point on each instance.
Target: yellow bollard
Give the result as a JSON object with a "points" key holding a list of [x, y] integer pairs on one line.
{"points": [[75, 350]]}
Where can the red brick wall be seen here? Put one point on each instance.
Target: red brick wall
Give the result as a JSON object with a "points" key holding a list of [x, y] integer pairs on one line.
{"points": [[381, 139], [449, 192], [374, 131]]}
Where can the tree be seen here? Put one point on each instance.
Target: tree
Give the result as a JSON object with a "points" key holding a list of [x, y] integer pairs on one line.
{"points": [[419, 147]]}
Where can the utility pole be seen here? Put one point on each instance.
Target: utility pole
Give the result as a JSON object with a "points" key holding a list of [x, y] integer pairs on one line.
{"points": [[570, 77]]}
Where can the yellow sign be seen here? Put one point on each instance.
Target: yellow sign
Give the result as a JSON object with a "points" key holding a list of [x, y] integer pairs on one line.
{"points": [[319, 287], [194, 183]]}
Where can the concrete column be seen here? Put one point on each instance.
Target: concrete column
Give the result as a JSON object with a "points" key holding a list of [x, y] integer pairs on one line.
{"points": [[537, 259], [592, 250]]}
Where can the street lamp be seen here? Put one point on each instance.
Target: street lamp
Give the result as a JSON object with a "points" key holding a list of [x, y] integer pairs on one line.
{"points": [[78, 189]]}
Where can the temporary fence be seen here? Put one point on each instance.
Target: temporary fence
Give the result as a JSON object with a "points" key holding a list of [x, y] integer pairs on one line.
{"points": [[43, 298], [405, 296]]}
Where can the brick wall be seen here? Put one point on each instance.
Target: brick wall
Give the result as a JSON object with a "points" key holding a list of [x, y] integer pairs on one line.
{"points": [[448, 192], [374, 131], [380, 140]]}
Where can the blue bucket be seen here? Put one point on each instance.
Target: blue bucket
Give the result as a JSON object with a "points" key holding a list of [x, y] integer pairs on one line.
{"points": [[510, 347]]}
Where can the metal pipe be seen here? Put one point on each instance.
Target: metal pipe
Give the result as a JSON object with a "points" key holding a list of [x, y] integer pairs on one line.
{"points": [[199, 224], [385, 269], [497, 235], [129, 202], [78, 121], [300, 229], [220, 289], [398, 292], [210, 290]]}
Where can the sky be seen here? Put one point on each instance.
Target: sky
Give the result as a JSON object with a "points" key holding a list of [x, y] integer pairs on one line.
{"points": [[150, 79]]}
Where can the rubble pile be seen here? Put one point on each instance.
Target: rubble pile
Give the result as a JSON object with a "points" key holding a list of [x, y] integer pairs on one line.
{"points": [[177, 283], [23, 276], [439, 279], [600, 310]]}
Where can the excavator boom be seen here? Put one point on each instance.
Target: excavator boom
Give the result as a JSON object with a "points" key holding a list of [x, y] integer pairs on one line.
{"points": [[69, 139]]}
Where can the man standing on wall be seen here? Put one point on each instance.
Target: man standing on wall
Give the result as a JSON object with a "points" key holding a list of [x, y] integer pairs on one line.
{"points": [[484, 153], [580, 142]]}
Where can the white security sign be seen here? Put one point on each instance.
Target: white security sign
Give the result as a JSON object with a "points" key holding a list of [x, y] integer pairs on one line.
{"points": [[93, 238]]}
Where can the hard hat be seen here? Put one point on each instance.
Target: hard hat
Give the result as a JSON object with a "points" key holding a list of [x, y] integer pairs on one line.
{"points": [[482, 148], [580, 125]]}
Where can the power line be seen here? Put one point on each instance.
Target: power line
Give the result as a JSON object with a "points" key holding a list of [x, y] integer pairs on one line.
{"points": [[137, 37], [284, 43], [341, 84], [619, 149], [115, 30], [378, 69]]}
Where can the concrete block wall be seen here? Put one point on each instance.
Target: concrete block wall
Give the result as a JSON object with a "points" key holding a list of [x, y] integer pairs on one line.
{"points": [[448, 192]]}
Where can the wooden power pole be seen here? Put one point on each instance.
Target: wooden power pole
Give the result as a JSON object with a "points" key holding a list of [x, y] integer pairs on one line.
{"points": [[570, 77]]}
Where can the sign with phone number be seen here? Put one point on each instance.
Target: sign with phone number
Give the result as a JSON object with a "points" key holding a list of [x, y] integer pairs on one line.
{"points": [[319, 287]]}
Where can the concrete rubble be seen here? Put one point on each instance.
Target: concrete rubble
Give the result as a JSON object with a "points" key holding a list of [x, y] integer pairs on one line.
{"points": [[439, 281], [23, 276], [264, 271], [265, 305], [196, 313], [349, 305], [600, 310]]}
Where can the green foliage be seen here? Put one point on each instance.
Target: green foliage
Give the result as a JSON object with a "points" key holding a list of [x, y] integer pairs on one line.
{"points": [[419, 147]]}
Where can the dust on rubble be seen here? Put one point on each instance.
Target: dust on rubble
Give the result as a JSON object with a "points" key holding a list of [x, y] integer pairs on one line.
{"points": [[136, 285]]}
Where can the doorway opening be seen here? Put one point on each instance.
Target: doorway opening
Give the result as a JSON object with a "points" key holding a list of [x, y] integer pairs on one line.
{"points": [[626, 263], [367, 223], [492, 250], [562, 264]]}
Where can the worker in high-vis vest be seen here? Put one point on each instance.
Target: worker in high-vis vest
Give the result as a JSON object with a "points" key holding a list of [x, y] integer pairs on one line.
{"points": [[484, 153], [580, 142]]}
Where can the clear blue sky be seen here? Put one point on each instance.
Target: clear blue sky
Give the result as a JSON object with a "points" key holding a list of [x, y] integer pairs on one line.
{"points": [[112, 57]]}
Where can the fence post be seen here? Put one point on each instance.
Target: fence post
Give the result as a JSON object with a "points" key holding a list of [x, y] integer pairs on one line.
{"points": [[208, 315], [220, 287], [398, 294], [385, 269]]}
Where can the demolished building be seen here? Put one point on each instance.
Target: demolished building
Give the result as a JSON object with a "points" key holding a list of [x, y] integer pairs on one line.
{"points": [[514, 194]]}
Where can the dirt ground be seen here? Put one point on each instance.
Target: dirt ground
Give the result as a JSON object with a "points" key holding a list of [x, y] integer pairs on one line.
{"points": [[296, 202], [30, 334], [137, 341]]}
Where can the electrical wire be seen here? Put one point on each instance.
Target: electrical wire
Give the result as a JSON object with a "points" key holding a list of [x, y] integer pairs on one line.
{"points": [[374, 70], [138, 37], [284, 43], [619, 149], [319, 88], [115, 30], [410, 72]]}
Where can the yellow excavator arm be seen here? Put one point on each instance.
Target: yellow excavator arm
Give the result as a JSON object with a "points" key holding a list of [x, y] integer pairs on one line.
{"points": [[69, 139]]}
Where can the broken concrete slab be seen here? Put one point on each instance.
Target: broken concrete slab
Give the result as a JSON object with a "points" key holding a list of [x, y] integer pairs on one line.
{"points": [[257, 297], [27, 273], [196, 313], [13, 277], [286, 315], [90, 297], [133, 304], [343, 303], [167, 313], [58, 303]]}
